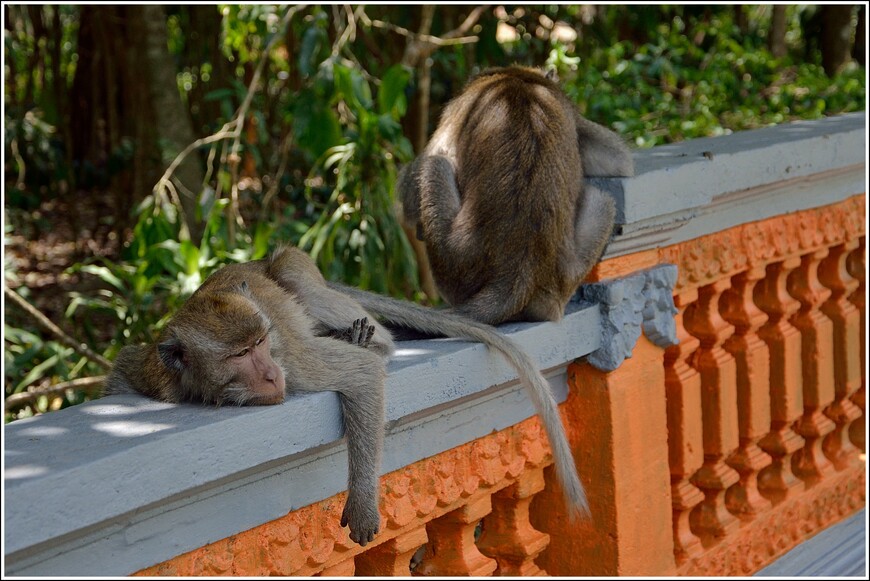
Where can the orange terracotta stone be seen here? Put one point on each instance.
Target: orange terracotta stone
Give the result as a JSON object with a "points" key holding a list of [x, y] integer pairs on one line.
{"points": [[753, 399], [622, 455], [392, 558], [508, 536]]}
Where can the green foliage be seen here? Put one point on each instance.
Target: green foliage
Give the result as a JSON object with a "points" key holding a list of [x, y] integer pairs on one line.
{"points": [[30, 359], [674, 88], [161, 269], [357, 237]]}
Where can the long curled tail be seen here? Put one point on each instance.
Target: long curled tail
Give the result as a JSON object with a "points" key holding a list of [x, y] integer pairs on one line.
{"points": [[452, 325]]}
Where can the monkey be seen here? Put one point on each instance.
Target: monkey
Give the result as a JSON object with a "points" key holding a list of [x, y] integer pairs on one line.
{"points": [[497, 196], [255, 331], [247, 336]]}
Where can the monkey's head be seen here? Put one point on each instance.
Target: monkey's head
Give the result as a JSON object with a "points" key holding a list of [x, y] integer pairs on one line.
{"points": [[528, 74], [217, 350]]}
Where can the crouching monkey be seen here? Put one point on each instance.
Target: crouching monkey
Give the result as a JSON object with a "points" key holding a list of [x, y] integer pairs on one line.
{"points": [[497, 196]]}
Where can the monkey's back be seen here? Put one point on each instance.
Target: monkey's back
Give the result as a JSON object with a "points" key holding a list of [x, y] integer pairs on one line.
{"points": [[519, 177]]}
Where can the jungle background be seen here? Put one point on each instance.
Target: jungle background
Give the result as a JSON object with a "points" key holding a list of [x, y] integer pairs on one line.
{"points": [[146, 145]]}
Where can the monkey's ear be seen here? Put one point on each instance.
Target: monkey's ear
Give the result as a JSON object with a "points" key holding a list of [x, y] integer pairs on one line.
{"points": [[552, 74], [243, 288], [172, 354]]}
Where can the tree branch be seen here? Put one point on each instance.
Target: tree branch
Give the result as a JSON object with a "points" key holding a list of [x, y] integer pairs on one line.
{"points": [[46, 324], [19, 400], [422, 43], [233, 128]]}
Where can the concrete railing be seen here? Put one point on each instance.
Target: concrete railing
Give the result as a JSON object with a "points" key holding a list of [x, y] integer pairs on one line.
{"points": [[748, 429]]}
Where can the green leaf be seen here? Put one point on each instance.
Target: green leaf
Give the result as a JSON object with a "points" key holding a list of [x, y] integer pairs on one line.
{"points": [[104, 274], [315, 126], [313, 38], [391, 94], [353, 88]]}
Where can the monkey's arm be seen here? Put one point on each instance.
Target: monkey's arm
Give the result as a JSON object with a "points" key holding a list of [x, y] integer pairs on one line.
{"points": [[408, 193], [358, 376], [448, 237], [136, 369], [592, 231], [603, 152]]}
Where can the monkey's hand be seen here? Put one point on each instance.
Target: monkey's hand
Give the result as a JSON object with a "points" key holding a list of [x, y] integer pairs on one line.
{"points": [[360, 333], [361, 515]]}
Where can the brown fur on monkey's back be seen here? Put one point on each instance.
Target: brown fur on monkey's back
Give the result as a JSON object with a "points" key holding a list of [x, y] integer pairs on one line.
{"points": [[522, 172]]}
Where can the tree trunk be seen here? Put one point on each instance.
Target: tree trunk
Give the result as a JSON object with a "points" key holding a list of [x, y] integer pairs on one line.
{"points": [[859, 50], [776, 37], [173, 123], [741, 20], [836, 36]]}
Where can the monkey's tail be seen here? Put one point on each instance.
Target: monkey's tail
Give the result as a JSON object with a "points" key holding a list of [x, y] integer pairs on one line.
{"points": [[440, 322]]}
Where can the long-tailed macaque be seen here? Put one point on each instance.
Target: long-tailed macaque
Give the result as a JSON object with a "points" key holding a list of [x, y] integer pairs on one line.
{"points": [[254, 331], [497, 196]]}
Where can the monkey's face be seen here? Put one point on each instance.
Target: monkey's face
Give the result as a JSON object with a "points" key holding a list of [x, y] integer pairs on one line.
{"points": [[221, 353], [255, 377]]}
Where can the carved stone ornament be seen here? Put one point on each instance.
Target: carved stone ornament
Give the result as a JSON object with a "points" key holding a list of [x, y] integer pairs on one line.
{"points": [[641, 301]]}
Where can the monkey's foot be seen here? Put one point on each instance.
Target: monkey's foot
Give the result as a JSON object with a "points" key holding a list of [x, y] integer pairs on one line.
{"points": [[359, 334], [363, 520]]}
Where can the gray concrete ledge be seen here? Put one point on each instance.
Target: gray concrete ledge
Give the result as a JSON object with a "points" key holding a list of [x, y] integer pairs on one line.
{"points": [[688, 189], [116, 485]]}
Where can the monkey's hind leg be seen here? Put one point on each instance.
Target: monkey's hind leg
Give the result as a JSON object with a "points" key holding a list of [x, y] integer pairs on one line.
{"points": [[332, 311], [360, 333], [440, 204], [592, 231]]}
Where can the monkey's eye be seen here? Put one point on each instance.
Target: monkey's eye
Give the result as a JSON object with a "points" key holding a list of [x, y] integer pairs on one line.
{"points": [[242, 353]]}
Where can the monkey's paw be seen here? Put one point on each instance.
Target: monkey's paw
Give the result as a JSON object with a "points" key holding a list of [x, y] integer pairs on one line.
{"points": [[363, 520], [359, 334]]}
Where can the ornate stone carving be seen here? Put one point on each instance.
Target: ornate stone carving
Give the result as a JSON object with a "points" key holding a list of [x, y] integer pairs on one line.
{"points": [[641, 301], [778, 530], [718, 369], [685, 438], [786, 380], [703, 260], [309, 540], [508, 536]]}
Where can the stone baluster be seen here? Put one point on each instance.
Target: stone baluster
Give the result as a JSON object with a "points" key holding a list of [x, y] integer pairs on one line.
{"points": [[392, 558], [508, 536], [786, 387], [857, 268], [685, 437], [847, 352], [753, 391], [817, 356], [451, 550], [710, 519]]}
